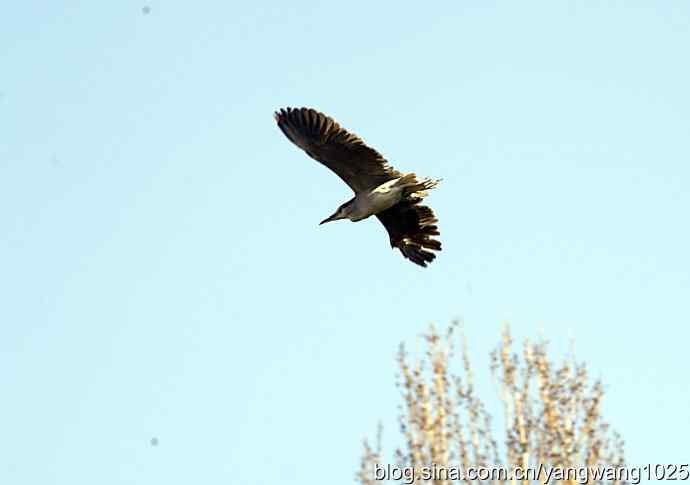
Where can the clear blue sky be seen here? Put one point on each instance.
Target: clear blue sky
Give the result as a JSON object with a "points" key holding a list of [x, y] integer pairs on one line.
{"points": [[163, 274]]}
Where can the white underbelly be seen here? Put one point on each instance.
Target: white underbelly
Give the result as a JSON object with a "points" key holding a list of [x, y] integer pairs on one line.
{"points": [[374, 202], [384, 200]]}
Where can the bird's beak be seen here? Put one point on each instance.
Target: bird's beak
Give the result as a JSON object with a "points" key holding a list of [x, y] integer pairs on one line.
{"points": [[329, 219]]}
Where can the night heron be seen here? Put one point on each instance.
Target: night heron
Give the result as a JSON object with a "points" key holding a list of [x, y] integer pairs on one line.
{"points": [[379, 190]]}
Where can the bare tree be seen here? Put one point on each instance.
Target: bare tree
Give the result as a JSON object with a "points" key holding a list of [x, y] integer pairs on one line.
{"points": [[552, 415]]}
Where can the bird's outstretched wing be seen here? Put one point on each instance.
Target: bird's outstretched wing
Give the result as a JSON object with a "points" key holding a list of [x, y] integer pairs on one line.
{"points": [[411, 227], [361, 167]]}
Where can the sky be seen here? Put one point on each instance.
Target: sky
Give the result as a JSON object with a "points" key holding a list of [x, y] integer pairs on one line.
{"points": [[163, 275]]}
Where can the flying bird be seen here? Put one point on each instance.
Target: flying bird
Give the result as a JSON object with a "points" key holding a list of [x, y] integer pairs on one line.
{"points": [[393, 197]]}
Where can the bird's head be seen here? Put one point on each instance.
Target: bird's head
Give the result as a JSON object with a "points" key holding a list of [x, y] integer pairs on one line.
{"points": [[341, 213]]}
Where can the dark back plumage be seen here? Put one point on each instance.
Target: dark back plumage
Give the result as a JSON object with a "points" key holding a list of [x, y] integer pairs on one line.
{"points": [[410, 225]]}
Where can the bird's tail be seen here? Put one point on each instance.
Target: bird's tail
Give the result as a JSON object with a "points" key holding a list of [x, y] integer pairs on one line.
{"points": [[416, 188]]}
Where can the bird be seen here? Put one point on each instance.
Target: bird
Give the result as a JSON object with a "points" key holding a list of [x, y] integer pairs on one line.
{"points": [[393, 197]]}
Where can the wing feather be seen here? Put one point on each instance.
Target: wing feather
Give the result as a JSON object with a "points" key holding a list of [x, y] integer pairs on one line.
{"points": [[411, 227], [360, 167]]}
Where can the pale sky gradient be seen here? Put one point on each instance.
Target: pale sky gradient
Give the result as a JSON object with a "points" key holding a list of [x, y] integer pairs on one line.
{"points": [[163, 275]]}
